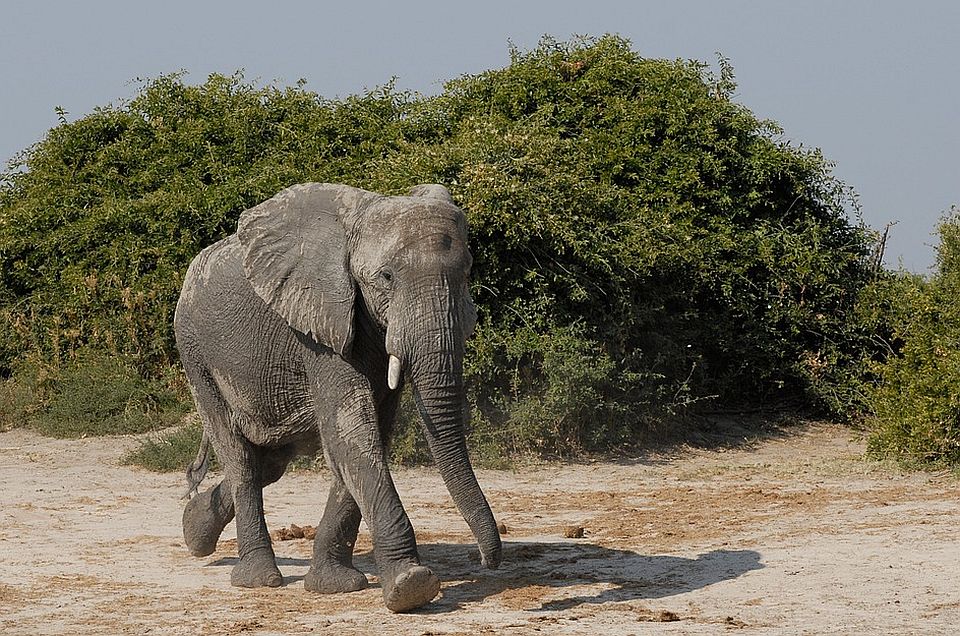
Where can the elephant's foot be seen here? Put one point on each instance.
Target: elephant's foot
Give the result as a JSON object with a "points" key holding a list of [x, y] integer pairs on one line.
{"points": [[410, 588], [204, 518], [257, 569], [333, 578]]}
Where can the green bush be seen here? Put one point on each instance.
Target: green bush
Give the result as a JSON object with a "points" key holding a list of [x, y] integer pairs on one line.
{"points": [[170, 450], [642, 243], [408, 446], [633, 197], [699, 260], [96, 394], [549, 394], [916, 405], [97, 231], [21, 394]]}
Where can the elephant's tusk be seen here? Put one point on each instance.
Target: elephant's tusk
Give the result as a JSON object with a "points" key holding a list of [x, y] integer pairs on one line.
{"points": [[393, 373]]}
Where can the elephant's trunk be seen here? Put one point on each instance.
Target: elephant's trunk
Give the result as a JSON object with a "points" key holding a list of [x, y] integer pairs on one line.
{"points": [[432, 350], [443, 409]]}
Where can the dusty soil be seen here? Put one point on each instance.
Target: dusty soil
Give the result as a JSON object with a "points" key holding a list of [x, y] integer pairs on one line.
{"points": [[795, 534]]}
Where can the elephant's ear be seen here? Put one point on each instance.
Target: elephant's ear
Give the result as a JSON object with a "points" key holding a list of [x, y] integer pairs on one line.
{"points": [[431, 191], [295, 257]]}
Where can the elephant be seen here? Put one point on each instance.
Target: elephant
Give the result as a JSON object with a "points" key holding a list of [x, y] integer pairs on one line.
{"points": [[296, 334]]}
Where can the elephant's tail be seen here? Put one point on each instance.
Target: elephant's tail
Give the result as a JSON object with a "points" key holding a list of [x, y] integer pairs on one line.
{"points": [[198, 469]]}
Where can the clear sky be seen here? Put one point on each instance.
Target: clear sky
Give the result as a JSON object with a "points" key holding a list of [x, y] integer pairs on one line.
{"points": [[874, 84]]}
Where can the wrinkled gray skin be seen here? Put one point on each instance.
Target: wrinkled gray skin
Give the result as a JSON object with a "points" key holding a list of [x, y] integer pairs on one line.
{"points": [[285, 330]]}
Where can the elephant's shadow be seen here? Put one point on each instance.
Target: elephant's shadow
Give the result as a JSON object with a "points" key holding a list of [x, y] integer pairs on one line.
{"points": [[625, 575]]}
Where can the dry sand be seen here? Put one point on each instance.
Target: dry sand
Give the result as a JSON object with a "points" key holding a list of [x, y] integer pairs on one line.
{"points": [[791, 535]]}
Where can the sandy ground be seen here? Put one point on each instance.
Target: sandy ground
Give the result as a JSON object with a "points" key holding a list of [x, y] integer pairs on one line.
{"points": [[790, 535]]}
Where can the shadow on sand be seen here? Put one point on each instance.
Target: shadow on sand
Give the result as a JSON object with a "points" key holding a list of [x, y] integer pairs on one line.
{"points": [[282, 563], [624, 575]]}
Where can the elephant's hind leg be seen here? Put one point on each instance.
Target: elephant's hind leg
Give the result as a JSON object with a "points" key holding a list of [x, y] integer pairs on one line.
{"points": [[246, 468], [205, 517], [332, 569], [208, 513], [245, 472]]}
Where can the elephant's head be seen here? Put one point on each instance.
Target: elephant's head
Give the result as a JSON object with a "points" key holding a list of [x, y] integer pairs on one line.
{"points": [[322, 255]]}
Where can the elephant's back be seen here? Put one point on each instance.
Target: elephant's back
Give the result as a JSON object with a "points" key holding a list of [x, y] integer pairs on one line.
{"points": [[221, 319], [217, 294], [214, 271], [225, 328]]}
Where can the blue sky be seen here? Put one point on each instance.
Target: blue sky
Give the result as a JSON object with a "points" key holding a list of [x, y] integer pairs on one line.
{"points": [[874, 85]]}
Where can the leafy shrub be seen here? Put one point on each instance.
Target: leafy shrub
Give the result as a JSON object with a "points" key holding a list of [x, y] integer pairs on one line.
{"points": [[408, 446], [22, 393], [916, 405], [641, 241], [170, 450], [104, 395], [546, 394], [97, 231], [701, 255]]}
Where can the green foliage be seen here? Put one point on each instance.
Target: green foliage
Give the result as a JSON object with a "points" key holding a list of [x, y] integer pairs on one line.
{"points": [[641, 241], [408, 447], [97, 232], [916, 405], [553, 394], [98, 394], [631, 197], [22, 393], [169, 451]]}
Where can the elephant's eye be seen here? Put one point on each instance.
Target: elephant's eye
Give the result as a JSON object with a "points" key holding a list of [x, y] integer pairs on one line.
{"points": [[386, 275]]}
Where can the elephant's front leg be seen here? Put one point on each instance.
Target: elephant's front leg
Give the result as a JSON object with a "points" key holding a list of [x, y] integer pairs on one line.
{"points": [[354, 451]]}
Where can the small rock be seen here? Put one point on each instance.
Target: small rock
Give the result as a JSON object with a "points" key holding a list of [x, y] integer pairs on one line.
{"points": [[573, 532], [666, 616], [502, 528], [293, 532]]}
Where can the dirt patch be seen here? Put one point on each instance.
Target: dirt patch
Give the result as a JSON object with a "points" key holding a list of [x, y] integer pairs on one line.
{"points": [[790, 535]]}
